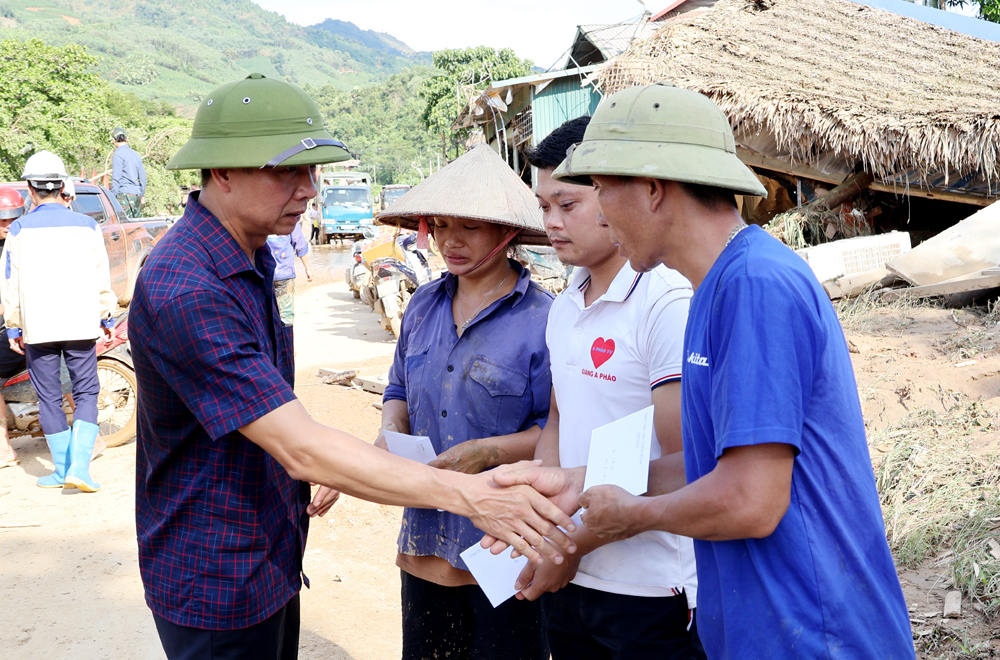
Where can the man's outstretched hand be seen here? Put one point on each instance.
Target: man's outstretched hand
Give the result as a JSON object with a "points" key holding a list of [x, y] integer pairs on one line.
{"points": [[612, 512], [519, 516], [561, 487]]}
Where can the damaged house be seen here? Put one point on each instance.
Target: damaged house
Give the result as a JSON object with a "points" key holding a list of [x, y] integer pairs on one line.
{"points": [[820, 90]]}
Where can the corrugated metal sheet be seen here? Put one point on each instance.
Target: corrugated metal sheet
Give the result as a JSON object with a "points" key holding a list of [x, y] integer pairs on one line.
{"points": [[561, 100]]}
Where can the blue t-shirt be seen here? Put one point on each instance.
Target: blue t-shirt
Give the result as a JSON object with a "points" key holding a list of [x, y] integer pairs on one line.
{"points": [[766, 362]]}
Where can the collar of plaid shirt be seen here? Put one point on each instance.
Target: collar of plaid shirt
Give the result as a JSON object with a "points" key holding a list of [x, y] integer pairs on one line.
{"points": [[221, 526]]}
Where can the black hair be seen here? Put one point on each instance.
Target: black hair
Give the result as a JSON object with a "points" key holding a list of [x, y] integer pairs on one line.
{"points": [[45, 193], [709, 196], [552, 150], [206, 176]]}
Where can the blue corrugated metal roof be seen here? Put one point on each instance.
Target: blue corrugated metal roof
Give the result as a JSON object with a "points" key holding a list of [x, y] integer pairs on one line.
{"points": [[561, 101], [974, 27]]}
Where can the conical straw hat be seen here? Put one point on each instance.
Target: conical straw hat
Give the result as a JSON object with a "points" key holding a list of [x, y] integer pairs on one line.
{"points": [[478, 185]]}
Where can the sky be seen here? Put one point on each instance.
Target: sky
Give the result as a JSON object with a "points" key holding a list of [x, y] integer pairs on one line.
{"points": [[539, 30]]}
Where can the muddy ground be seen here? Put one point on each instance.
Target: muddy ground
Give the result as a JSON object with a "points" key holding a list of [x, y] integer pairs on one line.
{"points": [[69, 581]]}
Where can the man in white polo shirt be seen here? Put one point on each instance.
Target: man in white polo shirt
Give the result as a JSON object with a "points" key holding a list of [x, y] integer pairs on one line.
{"points": [[615, 342]]}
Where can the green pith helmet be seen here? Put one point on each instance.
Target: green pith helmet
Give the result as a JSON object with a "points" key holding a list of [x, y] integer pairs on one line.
{"points": [[661, 132], [257, 122]]}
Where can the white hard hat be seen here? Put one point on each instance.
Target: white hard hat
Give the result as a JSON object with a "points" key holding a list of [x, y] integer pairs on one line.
{"points": [[45, 170], [69, 190]]}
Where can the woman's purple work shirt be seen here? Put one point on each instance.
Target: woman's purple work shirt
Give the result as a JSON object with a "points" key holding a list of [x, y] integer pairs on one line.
{"points": [[492, 381]]}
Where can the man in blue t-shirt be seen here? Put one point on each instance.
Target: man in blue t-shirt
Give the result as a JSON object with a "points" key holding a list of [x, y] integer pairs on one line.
{"points": [[780, 496]]}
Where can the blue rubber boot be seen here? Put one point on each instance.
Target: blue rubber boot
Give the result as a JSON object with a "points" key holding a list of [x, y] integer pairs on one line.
{"points": [[59, 446], [81, 447]]}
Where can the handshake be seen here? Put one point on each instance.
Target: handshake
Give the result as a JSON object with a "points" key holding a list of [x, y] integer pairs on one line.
{"points": [[526, 505]]}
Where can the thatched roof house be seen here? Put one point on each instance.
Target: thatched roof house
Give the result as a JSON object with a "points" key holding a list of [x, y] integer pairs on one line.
{"points": [[815, 87]]}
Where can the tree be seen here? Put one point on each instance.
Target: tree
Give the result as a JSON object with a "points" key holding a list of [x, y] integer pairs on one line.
{"points": [[476, 67], [51, 99], [988, 9], [381, 125]]}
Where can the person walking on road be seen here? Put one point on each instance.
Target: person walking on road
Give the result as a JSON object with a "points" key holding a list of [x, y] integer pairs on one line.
{"points": [[58, 302], [615, 341], [780, 496], [11, 362], [315, 221], [128, 176], [225, 451], [284, 249]]}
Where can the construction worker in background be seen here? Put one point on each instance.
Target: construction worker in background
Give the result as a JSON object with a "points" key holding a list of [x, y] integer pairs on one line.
{"points": [[11, 363], [68, 194], [55, 313], [128, 176]]}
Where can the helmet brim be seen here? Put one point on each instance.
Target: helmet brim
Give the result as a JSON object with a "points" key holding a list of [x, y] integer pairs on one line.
{"points": [[687, 163], [11, 214], [223, 152]]}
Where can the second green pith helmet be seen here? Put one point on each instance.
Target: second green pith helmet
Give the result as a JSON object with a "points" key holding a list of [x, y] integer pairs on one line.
{"points": [[257, 122], [661, 132]]}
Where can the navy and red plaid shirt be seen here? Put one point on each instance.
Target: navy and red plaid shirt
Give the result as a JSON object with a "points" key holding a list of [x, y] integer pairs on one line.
{"points": [[221, 525]]}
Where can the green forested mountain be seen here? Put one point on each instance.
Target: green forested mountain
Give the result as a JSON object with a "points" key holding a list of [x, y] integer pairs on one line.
{"points": [[177, 51], [381, 125]]}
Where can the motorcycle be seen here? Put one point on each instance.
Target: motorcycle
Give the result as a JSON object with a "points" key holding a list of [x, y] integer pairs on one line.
{"points": [[357, 274], [545, 267], [395, 268], [116, 402]]}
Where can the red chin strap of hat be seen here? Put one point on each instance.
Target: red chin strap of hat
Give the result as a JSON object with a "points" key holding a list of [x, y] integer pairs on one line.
{"points": [[503, 244], [423, 243]]}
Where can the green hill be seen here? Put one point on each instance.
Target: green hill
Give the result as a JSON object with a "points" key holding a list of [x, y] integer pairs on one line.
{"points": [[177, 51]]}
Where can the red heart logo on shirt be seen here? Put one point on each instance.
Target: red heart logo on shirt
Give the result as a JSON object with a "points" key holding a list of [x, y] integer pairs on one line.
{"points": [[601, 351]]}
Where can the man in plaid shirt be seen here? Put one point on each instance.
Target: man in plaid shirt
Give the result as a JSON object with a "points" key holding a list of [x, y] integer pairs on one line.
{"points": [[224, 449]]}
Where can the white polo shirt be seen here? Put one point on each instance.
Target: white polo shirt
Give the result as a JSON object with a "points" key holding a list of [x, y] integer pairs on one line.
{"points": [[606, 360]]}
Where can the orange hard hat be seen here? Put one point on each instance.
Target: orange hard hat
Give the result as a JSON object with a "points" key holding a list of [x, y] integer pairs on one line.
{"points": [[11, 203]]}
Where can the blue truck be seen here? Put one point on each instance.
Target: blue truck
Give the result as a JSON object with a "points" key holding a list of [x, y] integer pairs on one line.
{"points": [[346, 200]]}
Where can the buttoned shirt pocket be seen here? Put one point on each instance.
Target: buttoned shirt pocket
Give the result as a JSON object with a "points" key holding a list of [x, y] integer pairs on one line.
{"points": [[416, 361], [496, 396]]}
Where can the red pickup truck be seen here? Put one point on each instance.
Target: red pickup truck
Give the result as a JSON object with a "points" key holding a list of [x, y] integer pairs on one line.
{"points": [[128, 240]]}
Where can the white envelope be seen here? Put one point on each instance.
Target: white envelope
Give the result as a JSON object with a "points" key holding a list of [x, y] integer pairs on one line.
{"points": [[495, 574], [414, 447], [619, 453]]}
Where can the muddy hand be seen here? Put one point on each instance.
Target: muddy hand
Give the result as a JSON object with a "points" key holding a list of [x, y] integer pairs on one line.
{"points": [[537, 580], [470, 457], [380, 440], [612, 513], [520, 517]]}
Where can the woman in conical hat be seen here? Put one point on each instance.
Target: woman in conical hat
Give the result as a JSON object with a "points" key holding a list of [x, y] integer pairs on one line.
{"points": [[471, 372]]}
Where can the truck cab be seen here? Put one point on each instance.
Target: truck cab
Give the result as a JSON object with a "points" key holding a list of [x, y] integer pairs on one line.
{"points": [[392, 192], [346, 202]]}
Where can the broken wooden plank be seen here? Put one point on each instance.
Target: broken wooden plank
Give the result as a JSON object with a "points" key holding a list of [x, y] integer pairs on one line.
{"points": [[953, 604], [945, 288], [330, 376], [850, 286], [374, 385], [851, 187]]}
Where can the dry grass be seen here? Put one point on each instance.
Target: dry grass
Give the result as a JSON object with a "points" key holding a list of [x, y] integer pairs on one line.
{"points": [[869, 314], [831, 77], [930, 479]]}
